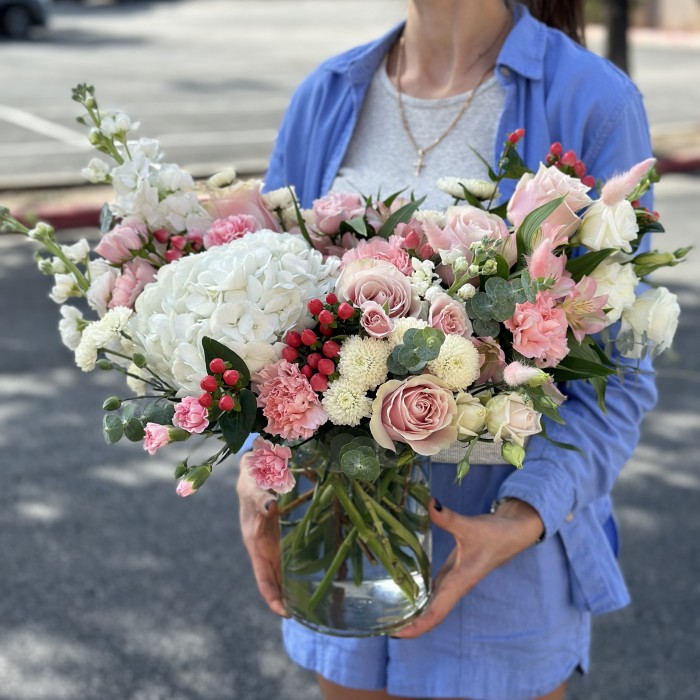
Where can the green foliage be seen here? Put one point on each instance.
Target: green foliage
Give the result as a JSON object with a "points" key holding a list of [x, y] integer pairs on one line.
{"points": [[585, 264], [400, 216], [531, 224], [360, 463], [159, 412], [213, 348], [420, 346], [236, 426], [112, 428], [512, 165]]}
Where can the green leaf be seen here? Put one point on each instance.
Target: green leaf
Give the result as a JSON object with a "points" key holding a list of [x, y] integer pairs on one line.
{"points": [[585, 264], [112, 428], [497, 287], [400, 216], [394, 364], [236, 426], [502, 267], [503, 308], [133, 429], [161, 413], [300, 222], [556, 443], [492, 175], [531, 225], [471, 199], [513, 166], [338, 442], [106, 219], [129, 411], [481, 306], [213, 348], [357, 225]]}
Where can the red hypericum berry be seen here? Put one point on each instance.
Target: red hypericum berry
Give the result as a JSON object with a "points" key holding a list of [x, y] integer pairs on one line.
{"points": [[556, 149], [326, 317], [231, 377], [308, 337], [588, 181], [293, 339], [319, 382], [172, 255], [161, 235], [326, 330], [569, 158], [513, 138], [217, 366], [345, 311], [226, 403], [290, 354], [307, 371], [178, 242], [579, 168], [326, 366], [331, 348], [313, 358], [315, 306], [205, 400], [520, 133], [331, 298], [209, 383]]}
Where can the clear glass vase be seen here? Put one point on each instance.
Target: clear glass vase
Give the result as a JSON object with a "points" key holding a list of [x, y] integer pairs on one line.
{"points": [[356, 554]]}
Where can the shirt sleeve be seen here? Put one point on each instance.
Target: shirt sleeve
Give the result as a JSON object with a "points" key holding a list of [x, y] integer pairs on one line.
{"points": [[555, 481]]}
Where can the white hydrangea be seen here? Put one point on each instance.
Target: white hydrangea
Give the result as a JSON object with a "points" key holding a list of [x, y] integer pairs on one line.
{"points": [[480, 189], [346, 403], [401, 325], [457, 364], [246, 294], [363, 362], [70, 326]]}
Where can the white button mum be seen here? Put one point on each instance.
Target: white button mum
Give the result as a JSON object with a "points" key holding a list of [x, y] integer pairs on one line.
{"points": [[457, 364], [346, 403], [363, 362]]}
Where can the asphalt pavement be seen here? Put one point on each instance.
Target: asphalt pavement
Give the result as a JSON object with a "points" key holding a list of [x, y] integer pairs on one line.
{"points": [[115, 589]]}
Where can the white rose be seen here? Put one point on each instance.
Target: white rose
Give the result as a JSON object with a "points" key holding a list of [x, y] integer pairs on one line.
{"points": [[511, 419], [606, 226], [70, 326], [655, 312], [97, 171], [471, 415], [618, 282]]}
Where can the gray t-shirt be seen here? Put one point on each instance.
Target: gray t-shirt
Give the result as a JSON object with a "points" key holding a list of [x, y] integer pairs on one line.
{"points": [[380, 153]]}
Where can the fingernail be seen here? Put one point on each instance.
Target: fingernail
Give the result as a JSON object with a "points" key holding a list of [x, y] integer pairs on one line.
{"points": [[392, 636], [437, 505], [268, 504]]}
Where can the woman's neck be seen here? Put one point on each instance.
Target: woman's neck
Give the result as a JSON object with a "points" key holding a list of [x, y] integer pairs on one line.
{"points": [[449, 45]]}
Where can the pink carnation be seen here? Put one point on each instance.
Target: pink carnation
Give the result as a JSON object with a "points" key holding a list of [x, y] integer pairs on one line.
{"points": [[380, 249], [156, 437], [291, 406], [134, 277], [190, 415], [229, 229], [122, 241], [539, 331], [270, 466]]}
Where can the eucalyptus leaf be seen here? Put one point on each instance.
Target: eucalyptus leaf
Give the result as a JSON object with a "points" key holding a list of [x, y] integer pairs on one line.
{"points": [[129, 411], [485, 329], [106, 219], [481, 306], [360, 464], [133, 429], [503, 308], [112, 428]]}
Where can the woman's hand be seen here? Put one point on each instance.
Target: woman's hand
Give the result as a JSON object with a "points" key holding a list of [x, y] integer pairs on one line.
{"points": [[261, 536], [483, 543]]}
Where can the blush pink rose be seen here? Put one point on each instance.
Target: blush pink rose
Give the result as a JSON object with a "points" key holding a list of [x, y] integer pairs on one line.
{"points": [[449, 316], [243, 198], [122, 241], [539, 331], [417, 411], [379, 281], [548, 184], [492, 360], [375, 320], [135, 275], [380, 249], [330, 211], [270, 466], [156, 436], [230, 229], [291, 406], [190, 415]]}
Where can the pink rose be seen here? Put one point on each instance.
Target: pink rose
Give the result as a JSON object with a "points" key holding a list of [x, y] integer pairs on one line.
{"points": [[375, 320], [190, 415], [122, 241], [449, 316], [229, 229], [291, 406], [547, 185], [243, 198], [380, 249], [492, 360], [156, 436], [330, 211], [134, 277], [270, 466], [539, 331], [410, 235], [417, 411], [379, 281]]}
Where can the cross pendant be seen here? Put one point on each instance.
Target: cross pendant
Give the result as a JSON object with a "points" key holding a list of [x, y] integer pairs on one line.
{"points": [[419, 162]]}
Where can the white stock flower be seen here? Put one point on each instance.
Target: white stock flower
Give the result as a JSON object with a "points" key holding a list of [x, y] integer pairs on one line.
{"points": [[401, 325], [171, 178], [97, 171], [363, 361], [466, 291], [655, 312], [608, 226], [116, 124], [282, 198], [55, 266], [457, 364], [480, 189], [145, 148], [423, 275], [70, 326], [64, 287], [346, 403], [78, 252], [41, 231], [619, 282]]}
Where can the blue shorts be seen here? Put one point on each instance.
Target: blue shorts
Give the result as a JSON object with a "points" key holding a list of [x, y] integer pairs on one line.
{"points": [[515, 636]]}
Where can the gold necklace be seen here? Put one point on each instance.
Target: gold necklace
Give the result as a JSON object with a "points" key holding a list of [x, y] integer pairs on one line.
{"points": [[422, 151]]}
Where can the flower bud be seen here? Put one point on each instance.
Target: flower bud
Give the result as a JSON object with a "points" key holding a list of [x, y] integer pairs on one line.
{"points": [[41, 232], [473, 270], [460, 265], [139, 360], [513, 454], [177, 434], [104, 364], [193, 480], [490, 267], [180, 470], [45, 266], [466, 291], [112, 403]]}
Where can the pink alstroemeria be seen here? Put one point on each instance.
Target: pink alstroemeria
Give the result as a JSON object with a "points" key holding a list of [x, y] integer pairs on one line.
{"points": [[584, 310], [544, 263]]}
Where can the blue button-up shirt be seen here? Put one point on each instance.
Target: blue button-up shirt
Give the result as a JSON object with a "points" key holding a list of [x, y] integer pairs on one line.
{"points": [[556, 91]]}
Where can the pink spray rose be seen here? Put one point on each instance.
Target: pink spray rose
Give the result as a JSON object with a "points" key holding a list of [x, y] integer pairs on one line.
{"points": [[270, 466], [449, 315], [545, 186], [380, 249], [156, 437], [379, 281], [584, 310], [230, 229], [122, 241], [291, 406], [417, 411], [135, 275], [409, 236], [243, 198], [190, 415], [539, 331], [330, 211], [375, 320]]}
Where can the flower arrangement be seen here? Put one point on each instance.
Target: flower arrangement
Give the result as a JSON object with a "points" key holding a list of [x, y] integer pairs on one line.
{"points": [[375, 331]]}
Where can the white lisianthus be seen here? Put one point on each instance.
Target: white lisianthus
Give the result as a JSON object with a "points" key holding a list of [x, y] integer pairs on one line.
{"points": [[223, 178], [78, 252], [480, 189], [71, 326], [608, 226], [470, 419], [363, 361], [401, 325], [466, 291], [655, 312], [64, 287], [510, 418], [457, 364], [619, 282], [97, 171], [283, 198], [346, 403]]}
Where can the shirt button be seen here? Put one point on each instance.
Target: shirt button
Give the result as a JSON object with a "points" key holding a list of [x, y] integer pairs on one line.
{"points": [[569, 517], [505, 71]]}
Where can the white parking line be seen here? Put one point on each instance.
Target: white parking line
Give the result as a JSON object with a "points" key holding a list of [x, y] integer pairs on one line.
{"points": [[42, 126]]}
